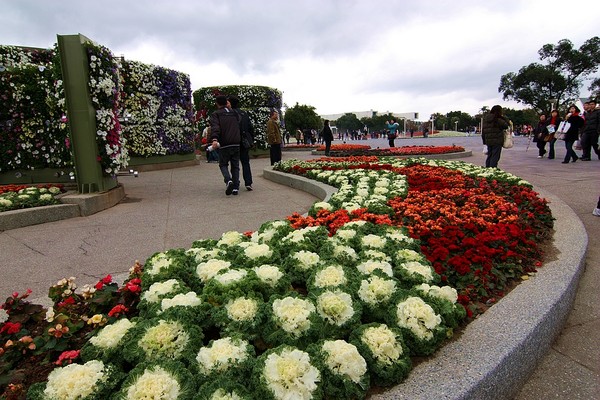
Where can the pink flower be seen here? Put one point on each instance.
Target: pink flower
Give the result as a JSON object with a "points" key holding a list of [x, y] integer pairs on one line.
{"points": [[67, 356]]}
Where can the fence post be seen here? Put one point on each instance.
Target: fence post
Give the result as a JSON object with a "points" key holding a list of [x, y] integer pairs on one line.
{"points": [[82, 116]]}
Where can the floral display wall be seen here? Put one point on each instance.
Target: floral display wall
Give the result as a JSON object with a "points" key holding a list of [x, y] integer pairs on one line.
{"points": [[141, 110], [257, 101], [157, 116], [33, 125]]}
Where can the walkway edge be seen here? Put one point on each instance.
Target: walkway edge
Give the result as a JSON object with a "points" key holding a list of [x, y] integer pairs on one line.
{"points": [[497, 352]]}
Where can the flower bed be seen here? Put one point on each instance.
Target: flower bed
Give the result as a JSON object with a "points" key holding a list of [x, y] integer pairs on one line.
{"points": [[359, 150], [326, 305], [14, 197]]}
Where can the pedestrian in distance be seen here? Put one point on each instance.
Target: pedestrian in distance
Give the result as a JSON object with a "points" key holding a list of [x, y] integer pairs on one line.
{"points": [[392, 125], [274, 137], [492, 134], [575, 123], [539, 135], [327, 136], [590, 131], [246, 140], [225, 135]]}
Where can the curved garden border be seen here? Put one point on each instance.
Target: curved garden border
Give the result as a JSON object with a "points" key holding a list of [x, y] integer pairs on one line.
{"points": [[498, 351]]}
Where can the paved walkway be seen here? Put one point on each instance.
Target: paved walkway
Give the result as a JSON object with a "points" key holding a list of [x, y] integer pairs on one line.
{"points": [[172, 208]]}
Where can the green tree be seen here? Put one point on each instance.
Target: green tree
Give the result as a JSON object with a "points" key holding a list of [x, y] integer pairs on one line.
{"points": [[349, 121], [459, 120], [302, 117], [560, 77]]}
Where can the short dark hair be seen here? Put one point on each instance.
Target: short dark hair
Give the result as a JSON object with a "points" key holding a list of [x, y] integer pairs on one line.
{"points": [[234, 100], [221, 100]]}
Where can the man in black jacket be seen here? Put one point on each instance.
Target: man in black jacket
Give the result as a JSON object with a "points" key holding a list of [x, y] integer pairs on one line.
{"points": [[247, 140], [225, 135], [590, 131]]}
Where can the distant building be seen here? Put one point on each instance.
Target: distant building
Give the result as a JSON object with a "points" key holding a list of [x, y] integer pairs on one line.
{"points": [[371, 114]]}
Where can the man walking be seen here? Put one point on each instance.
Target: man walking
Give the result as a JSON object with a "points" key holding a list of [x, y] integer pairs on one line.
{"points": [[274, 137], [247, 141], [225, 135], [590, 131]]}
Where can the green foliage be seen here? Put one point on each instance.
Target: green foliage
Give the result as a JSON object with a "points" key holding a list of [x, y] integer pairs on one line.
{"points": [[560, 77], [349, 121], [302, 117]]}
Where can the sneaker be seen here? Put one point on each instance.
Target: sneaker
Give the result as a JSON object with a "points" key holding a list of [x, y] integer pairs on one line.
{"points": [[229, 188], [540, 156], [235, 192], [249, 188], [596, 212]]}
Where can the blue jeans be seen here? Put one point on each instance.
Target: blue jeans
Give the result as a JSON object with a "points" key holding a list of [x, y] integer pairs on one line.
{"points": [[230, 156], [570, 152]]}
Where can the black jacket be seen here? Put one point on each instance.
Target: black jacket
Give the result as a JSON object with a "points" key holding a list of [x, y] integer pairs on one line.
{"points": [[592, 123], [246, 128], [225, 127]]}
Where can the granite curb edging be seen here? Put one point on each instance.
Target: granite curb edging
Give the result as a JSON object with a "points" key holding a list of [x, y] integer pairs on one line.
{"points": [[497, 352], [73, 205]]}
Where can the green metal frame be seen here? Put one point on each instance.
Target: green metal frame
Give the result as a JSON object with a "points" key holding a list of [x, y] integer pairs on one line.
{"points": [[82, 116]]}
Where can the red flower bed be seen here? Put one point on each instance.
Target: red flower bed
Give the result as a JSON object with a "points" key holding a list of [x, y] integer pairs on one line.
{"points": [[345, 147], [480, 235]]}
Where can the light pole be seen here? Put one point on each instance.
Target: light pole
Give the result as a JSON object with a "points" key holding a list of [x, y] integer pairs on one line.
{"points": [[456, 126]]}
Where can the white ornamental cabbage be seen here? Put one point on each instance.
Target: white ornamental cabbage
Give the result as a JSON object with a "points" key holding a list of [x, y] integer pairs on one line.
{"points": [[375, 290], [333, 275], [208, 269], [167, 338], [189, 299], [290, 375], [75, 381], [258, 250], [221, 355], [335, 307], [110, 336], [307, 259], [268, 274], [158, 289], [293, 314], [367, 267], [154, 384], [230, 276], [344, 359], [414, 267], [417, 316], [444, 292], [383, 344], [241, 309]]}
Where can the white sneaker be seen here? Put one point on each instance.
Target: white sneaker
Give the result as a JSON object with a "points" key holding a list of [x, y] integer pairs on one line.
{"points": [[540, 156], [596, 212]]}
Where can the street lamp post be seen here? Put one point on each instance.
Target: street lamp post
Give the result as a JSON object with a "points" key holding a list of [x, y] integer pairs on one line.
{"points": [[456, 126]]}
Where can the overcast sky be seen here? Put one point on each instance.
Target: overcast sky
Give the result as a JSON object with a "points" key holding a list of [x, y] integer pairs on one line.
{"points": [[420, 56]]}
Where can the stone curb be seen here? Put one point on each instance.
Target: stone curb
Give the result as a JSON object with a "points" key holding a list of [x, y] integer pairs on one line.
{"points": [[498, 351], [74, 205]]}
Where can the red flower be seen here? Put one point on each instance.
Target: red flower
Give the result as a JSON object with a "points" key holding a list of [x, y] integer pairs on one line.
{"points": [[116, 310], [67, 357], [134, 285], [10, 328]]}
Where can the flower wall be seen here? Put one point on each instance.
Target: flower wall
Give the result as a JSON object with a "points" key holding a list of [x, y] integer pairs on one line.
{"points": [[157, 116], [105, 92], [33, 126], [141, 110], [257, 101]]}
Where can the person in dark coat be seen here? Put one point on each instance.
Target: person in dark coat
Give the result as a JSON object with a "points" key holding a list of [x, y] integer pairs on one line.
{"points": [[576, 122], [540, 133], [492, 134], [327, 136], [225, 135], [247, 140], [590, 131]]}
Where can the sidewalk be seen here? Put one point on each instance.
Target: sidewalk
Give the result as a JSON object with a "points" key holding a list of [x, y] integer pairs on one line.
{"points": [[171, 208]]}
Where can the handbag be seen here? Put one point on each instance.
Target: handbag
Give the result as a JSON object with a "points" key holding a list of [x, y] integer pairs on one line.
{"points": [[549, 138], [508, 140], [563, 127]]}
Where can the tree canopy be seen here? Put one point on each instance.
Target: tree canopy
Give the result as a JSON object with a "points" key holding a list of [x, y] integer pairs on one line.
{"points": [[302, 117], [558, 80]]}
